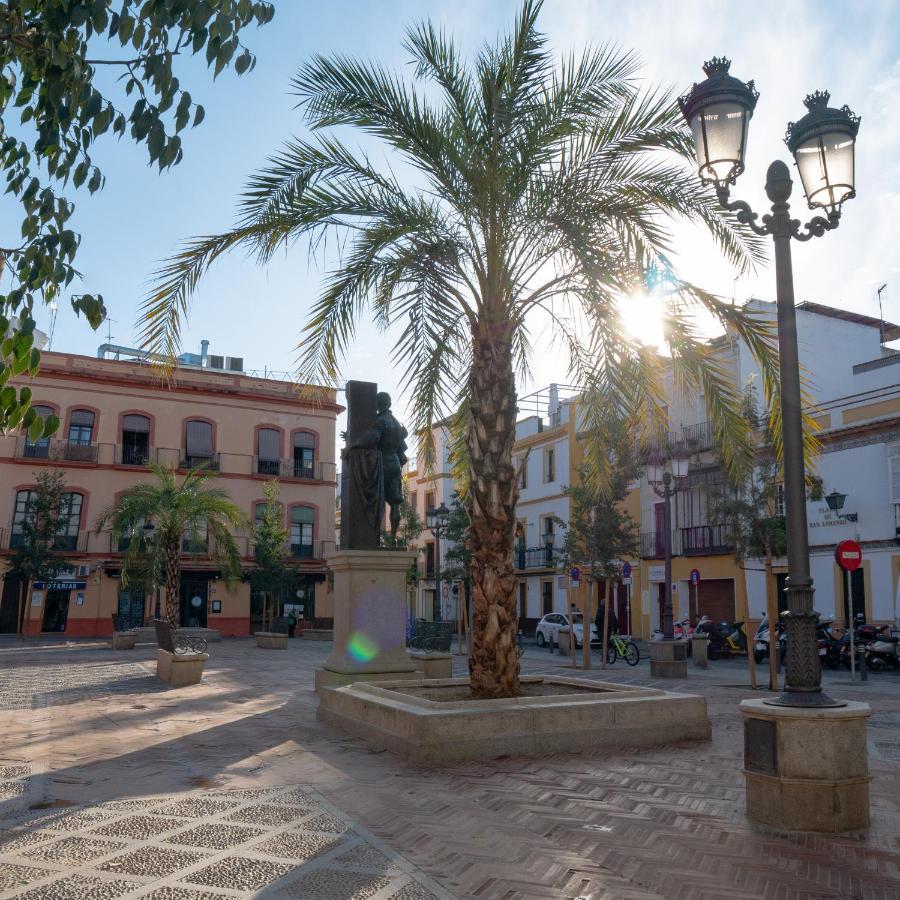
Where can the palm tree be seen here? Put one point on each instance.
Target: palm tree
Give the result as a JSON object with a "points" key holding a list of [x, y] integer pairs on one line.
{"points": [[537, 195], [156, 519]]}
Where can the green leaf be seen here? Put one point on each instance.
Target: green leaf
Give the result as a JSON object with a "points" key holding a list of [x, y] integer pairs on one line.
{"points": [[51, 425], [92, 307]]}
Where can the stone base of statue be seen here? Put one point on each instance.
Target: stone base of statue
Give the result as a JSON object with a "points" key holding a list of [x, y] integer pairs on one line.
{"points": [[370, 612], [807, 769]]}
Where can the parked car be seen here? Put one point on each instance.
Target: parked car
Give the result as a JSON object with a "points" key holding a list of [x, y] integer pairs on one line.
{"points": [[551, 623]]}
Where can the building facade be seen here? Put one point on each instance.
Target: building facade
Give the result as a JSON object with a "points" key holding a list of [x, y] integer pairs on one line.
{"points": [[115, 417]]}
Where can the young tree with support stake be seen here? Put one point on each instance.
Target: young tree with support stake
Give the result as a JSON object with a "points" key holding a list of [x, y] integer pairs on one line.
{"points": [[38, 556], [271, 574], [541, 197], [600, 535]]}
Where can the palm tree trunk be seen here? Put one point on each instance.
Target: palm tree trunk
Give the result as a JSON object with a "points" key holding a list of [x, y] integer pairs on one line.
{"points": [[493, 491], [173, 582]]}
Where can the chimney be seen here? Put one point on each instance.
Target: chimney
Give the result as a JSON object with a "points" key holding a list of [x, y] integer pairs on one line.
{"points": [[204, 351]]}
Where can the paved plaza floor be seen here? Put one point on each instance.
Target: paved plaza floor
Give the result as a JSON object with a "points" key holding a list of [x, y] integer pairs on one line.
{"points": [[113, 786]]}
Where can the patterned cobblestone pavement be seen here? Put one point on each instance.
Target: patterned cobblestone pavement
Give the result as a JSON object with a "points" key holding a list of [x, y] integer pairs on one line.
{"points": [[111, 786]]}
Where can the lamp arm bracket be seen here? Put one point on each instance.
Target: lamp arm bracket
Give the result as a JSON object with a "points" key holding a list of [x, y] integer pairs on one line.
{"points": [[743, 213], [815, 227]]}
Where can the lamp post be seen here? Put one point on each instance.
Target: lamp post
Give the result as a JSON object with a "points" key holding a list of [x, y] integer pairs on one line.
{"points": [[437, 520], [665, 483], [718, 111]]}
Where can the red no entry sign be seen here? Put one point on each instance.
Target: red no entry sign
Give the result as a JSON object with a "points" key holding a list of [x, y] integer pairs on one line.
{"points": [[848, 555]]}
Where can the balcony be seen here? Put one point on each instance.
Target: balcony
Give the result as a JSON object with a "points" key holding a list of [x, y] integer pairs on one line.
{"points": [[294, 468], [64, 543], [544, 557], [705, 540], [314, 550], [208, 461], [653, 546], [57, 451], [130, 455], [698, 437]]}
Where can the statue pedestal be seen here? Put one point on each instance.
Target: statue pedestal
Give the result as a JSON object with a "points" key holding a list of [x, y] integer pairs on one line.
{"points": [[369, 618]]}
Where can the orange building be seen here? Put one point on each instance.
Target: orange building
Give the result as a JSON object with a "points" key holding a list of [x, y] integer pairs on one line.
{"points": [[116, 416]]}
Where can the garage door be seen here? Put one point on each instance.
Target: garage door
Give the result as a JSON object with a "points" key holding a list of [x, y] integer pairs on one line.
{"points": [[716, 599]]}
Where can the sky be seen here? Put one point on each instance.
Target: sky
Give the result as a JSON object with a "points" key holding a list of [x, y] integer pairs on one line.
{"points": [[790, 48]]}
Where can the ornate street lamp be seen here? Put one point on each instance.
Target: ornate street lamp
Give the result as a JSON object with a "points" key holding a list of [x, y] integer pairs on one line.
{"points": [[835, 501], [823, 144], [436, 520], [665, 481]]}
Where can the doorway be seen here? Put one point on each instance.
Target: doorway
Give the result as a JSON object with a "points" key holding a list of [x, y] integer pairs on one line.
{"points": [[56, 610], [131, 607], [194, 597], [858, 592], [9, 605]]}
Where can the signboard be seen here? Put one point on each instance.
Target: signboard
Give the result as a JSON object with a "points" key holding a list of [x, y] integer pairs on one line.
{"points": [[575, 575], [695, 576], [626, 579], [848, 555], [626, 571], [61, 585], [36, 598], [656, 573]]}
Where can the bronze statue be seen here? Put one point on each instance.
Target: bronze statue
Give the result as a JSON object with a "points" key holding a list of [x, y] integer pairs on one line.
{"points": [[372, 472]]}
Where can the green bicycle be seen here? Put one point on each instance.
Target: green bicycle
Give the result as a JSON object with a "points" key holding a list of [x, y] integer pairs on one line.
{"points": [[628, 650]]}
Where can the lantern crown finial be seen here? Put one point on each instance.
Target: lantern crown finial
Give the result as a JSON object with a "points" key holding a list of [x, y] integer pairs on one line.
{"points": [[816, 100], [718, 65]]}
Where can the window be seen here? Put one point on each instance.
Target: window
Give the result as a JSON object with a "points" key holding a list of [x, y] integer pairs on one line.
{"points": [[413, 500], [81, 433], [198, 444], [135, 440], [69, 520], [549, 465], [779, 500], [196, 538], [546, 597], [429, 501], [302, 521], [894, 461], [523, 473], [268, 451], [39, 449], [548, 529], [81, 426], [429, 559], [304, 455], [22, 512], [136, 532]]}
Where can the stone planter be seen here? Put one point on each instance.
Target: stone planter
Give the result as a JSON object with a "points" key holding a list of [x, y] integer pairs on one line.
{"points": [[271, 640], [560, 715], [318, 634], [699, 648], [432, 664], [180, 669], [124, 640], [668, 659]]}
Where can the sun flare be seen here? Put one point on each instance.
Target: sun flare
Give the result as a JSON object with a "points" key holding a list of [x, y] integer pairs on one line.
{"points": [[642, 315]]}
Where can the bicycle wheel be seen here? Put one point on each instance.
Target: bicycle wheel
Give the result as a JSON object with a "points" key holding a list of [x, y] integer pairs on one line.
{"points": [[611, 654], [632, 654]]}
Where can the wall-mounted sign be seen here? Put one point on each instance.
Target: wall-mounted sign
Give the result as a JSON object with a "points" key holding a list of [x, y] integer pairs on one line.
{"points": [[656, 573], [626, 570], [36, 599], [217, 606], [79, 598], [61, 585]]}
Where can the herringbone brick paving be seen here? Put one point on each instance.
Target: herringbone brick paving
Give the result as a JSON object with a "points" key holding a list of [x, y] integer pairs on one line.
{"points": [[630, 825]]}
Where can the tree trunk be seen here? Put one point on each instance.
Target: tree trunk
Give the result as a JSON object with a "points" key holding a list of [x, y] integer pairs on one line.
{"points": [[493, 492], [606, 620], [23, 608], [173, 582]]}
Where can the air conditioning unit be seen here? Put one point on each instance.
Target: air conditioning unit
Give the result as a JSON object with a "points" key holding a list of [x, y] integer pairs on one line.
{"points": [[234, 363], [216, 362]]}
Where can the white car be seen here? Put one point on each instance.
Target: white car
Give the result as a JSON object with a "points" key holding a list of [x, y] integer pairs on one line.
{"points": [[551, 623]]}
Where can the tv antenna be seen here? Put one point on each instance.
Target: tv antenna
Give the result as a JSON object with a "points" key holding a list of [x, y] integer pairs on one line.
{"points": [[881, 313], [109, 334]]}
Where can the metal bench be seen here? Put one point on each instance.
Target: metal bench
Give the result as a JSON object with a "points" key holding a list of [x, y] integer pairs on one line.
{"points": [[280, 625], [174, 641], [118, 623], [432, 636]]}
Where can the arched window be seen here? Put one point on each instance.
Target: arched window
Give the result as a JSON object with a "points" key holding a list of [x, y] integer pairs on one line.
{"points": [[198, 444], [69, 520], [135, 439], [268, 451], [303, 520], [304, 454], [22, 512], [39, 449], [79, 443]]}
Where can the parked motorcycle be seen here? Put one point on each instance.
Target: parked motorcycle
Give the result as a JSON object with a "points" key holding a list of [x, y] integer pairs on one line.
{"points": [[878, 646], [761, 640], [830, 646]]}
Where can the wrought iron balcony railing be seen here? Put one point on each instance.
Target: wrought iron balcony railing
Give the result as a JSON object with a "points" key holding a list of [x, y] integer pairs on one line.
{"points": [[705, 539], [653, 544]]}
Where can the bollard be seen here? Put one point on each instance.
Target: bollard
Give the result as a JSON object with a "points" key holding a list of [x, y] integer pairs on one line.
{"points": [[861, 665], [551, 642]]}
